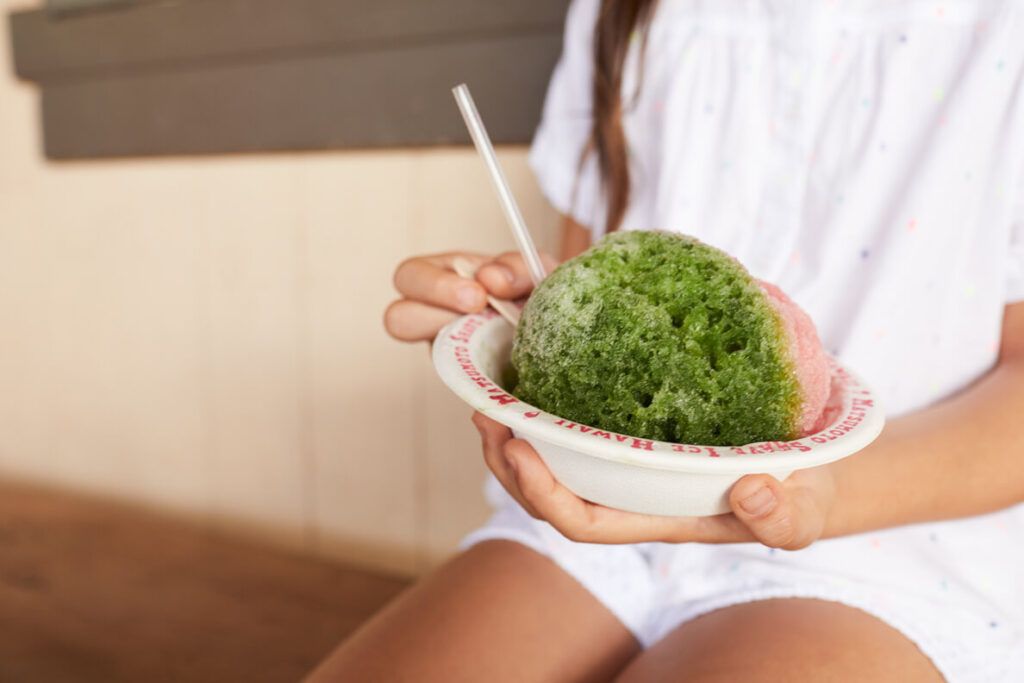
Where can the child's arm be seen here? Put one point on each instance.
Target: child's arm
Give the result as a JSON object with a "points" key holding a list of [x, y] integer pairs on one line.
{"points": [[959, 458], [575, 238], [962, 457]]}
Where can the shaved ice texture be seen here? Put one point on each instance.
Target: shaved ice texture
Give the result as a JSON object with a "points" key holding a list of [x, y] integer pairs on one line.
{"points": [[807, 356], [659, 336]]}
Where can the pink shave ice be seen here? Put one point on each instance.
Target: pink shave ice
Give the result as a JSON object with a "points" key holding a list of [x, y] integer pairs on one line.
{"points": [[812, 369]]}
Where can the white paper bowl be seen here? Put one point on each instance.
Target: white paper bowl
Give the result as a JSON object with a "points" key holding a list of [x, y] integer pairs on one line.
{"points": [[636, 474]]}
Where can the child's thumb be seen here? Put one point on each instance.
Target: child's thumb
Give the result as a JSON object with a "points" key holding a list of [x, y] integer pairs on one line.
{"points": [[765, 506]]}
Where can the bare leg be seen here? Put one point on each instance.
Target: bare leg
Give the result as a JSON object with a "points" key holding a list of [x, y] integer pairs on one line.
{"points": [[783, 640], [498, 612]]}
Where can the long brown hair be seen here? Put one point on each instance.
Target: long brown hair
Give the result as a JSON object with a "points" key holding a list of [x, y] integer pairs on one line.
{"points": [[617, 23]]}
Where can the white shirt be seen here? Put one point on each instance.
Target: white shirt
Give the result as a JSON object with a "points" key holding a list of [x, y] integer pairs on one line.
{"points": [[867, 157], [864, 155]]}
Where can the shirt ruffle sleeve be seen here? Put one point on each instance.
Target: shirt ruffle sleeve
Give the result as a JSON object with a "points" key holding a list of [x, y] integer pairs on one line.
{"points": [[558, 145]]}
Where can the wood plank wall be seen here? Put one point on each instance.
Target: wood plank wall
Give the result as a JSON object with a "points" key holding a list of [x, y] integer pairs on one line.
{"points": [[204, 335]]}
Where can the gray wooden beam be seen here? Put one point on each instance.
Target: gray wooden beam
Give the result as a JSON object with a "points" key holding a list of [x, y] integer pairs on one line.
{"points": [[174, 35], [215, 76], [69, 6], [374, 99]]}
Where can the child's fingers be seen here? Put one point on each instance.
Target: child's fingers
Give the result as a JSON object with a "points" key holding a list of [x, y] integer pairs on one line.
{"points": [[494, 436], [586, 522], [507, 276], [773, 514], [722, 528], [553, 502], [430, 280], [409, 320], [577, 519]]}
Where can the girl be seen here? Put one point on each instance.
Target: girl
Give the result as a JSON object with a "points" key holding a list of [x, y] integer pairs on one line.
{"points": [[866, 156]]}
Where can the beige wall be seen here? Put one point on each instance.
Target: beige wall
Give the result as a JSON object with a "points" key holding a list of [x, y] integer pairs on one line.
{"points": [[203, 335]]}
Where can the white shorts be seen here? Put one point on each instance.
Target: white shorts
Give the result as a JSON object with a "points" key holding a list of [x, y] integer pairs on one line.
{"points": [[956, 589]]}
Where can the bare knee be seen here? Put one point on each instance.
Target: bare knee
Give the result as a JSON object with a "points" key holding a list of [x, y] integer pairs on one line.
{"points": [[499, 612], [783, 640]]}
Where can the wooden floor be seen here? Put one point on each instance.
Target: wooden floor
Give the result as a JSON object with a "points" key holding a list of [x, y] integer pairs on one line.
{"points": [[91, 591]]}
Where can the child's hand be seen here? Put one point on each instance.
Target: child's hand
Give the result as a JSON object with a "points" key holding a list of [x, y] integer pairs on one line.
{"points": [[791, 514], [433, 295]]}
